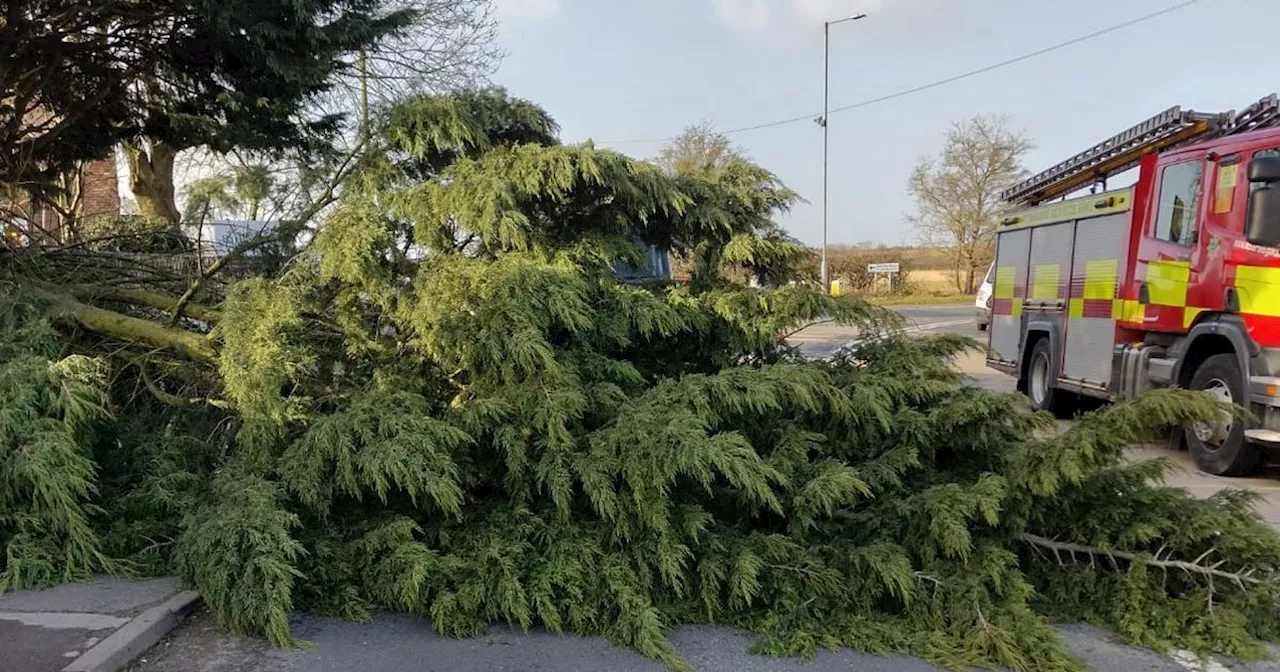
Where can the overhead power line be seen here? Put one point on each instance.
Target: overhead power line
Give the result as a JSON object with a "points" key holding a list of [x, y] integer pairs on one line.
{"points": [[940, 82]]}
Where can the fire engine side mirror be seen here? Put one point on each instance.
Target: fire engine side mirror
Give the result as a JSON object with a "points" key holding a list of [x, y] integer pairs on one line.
{"points": [[1263, 223], [1264, 169]]}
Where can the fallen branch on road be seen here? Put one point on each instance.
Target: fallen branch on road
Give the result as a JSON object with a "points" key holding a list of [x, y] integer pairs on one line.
{"points": [[1193, 567]]}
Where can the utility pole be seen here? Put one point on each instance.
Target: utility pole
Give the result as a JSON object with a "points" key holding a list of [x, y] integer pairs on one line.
{"points": [[823, 121], [362, 61]]}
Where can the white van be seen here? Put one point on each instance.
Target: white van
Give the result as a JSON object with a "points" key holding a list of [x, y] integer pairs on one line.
{"points": [[982, 306]]}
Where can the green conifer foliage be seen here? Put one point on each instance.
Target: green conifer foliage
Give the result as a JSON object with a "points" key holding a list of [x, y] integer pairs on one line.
{"points": [[449, 406], [48, 407]]}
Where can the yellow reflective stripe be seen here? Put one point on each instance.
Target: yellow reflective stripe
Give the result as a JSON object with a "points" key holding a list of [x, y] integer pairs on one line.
{"points": [[1016, 309], [1134, 311], [1167, 282], [1084, 207], [1075, 308], [1259, 290], [1100, 278], [1128, 310], [1189, 316], [1046, 282], [1004, 282]]}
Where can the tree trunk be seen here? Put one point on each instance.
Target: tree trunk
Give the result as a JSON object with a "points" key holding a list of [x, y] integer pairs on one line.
{"points": [[151, 178], [966, 255], [67, 310]]}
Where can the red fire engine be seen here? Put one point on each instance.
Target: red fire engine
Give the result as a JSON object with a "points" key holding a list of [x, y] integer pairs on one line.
{"points": [[1173, 281]]}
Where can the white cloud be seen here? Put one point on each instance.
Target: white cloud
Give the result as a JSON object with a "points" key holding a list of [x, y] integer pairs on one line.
{"points": [[892, 19], [511, 11]]}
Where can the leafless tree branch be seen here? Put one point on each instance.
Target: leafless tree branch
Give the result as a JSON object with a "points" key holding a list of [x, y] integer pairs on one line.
{"points": [[957, 193], [1195, 567]]}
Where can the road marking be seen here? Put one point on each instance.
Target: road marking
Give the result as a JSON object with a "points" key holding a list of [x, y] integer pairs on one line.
{"points": [[914, 329], [937, 325], [935, 306], [1192, 662], [64, 621]]}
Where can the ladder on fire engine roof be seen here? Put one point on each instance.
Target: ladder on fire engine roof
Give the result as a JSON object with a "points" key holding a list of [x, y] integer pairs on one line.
{"points": [[1117, 154]]}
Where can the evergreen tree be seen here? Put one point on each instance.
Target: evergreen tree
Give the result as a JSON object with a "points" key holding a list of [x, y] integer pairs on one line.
{"points": [[238, 74], [447, 405], [165, 76]]}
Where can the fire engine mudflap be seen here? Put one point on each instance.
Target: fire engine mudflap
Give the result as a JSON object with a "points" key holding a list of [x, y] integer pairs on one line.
{"points": [[1172, 282]]}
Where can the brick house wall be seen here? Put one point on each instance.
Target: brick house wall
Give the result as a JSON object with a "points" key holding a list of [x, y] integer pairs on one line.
{"points": [[94, 192], [91, 192], [101, 190]]}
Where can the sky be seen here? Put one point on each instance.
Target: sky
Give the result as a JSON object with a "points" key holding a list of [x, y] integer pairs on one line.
{"points": [[629, 73]]}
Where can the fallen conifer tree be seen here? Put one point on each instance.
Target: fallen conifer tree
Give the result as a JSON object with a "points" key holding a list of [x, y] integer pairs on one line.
{"points": [[447, 403]]}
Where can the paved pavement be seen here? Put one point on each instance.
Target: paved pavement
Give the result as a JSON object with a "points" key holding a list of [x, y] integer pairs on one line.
{"points": [[49, 630], [400, 642]]}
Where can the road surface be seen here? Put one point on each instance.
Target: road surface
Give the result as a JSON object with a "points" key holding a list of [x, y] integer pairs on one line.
{"points": [[395, 642], [823, 339], [401, 643]]}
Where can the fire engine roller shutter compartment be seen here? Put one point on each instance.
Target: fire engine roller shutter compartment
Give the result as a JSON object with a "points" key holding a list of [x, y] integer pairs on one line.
{"points": [[1097, 266], [1044, 312], [1072, 256], [1008, 290]]}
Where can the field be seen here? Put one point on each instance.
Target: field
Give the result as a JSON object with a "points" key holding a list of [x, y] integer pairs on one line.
{"points": [[929, 278], [932, 281]]}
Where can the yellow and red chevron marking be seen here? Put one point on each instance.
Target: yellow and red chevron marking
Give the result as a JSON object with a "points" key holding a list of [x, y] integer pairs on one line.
{"points": [[1258, 288], [1104, 308], [1098, 291], [1006, 296], [1167, 281], [1006, 307], [1045, 285], [1111, 309]]}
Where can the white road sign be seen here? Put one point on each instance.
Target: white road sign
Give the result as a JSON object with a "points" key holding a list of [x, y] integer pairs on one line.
{"points": [[882, 268]]}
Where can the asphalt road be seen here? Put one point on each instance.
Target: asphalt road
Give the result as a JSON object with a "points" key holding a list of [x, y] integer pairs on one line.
{"points": [[401, 643], [396, 642], [955, 318], [822, 339]]}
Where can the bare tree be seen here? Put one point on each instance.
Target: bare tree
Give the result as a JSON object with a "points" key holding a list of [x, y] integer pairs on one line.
{"points": [[957, 193], [699, 147], [449, 44]]}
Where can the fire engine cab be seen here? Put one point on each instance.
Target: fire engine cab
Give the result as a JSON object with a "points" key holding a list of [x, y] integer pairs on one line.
{"points": [[1174, 281]]}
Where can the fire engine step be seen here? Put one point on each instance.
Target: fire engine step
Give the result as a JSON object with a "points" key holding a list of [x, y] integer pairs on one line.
{"points": [[1269, 437]]}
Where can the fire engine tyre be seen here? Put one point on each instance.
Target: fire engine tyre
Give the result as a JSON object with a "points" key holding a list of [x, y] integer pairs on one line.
{"points": [[1220, 448], [1039, 384]]}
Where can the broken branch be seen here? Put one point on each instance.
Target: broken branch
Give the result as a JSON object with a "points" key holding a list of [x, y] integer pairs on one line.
{"points": [[1188, 567]]}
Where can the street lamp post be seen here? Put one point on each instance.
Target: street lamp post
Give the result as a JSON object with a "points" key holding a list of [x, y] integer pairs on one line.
{"points": [[822, 121]]}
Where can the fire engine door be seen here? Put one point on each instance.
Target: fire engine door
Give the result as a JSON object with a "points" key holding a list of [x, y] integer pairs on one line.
{"points": [[1169, 253]]}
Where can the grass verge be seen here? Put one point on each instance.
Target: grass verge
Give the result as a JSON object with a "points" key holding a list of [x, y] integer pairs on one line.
{"points": [[922, 299]]}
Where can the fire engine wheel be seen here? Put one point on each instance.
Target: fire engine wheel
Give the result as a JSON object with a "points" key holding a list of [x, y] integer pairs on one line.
{"points": [[1039, 382], [1219, 447]]}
